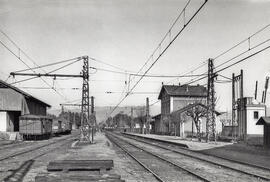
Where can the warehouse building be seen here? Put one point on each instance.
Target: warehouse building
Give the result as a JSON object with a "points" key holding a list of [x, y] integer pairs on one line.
{"points": [[15, 103]]}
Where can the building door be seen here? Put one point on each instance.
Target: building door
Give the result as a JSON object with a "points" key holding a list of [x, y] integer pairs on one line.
{"points": [[3, 121], [16, 120]]}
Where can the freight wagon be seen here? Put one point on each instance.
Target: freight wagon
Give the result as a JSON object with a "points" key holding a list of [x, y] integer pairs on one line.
{"points": [[61, 126], [35, 127], [57, 127], [66, 126]]}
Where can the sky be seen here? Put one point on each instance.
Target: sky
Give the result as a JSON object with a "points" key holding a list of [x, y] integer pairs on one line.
{"points": [[124, 33]]}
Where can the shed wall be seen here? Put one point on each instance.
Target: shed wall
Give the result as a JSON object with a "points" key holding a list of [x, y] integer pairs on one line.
{"points": [[10, 100], [3, 121]]}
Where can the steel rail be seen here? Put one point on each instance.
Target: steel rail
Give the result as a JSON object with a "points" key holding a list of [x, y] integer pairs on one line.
{"points": [[137, 160], [166, 160], [32, 149], [205, 160], [211, 155], [17, 172]]}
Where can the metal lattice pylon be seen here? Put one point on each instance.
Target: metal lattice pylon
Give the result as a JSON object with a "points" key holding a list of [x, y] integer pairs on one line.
{"points": [[85, 126], [211, 119]]}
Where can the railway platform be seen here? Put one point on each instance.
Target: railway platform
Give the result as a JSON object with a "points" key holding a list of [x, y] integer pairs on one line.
{"points": [[191, 144], [233, 151], [101, 149]]}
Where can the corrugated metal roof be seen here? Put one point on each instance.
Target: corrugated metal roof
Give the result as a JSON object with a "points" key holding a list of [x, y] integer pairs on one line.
{"points": [[263, 121], [6, 85], [184, 90]]}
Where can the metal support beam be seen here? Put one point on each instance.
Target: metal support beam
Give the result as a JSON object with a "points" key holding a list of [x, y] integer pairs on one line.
{"points": [[93, 118], [45, 74], [211, 119], [256, 90], [147, 116], [233, 104], [85, 115]]}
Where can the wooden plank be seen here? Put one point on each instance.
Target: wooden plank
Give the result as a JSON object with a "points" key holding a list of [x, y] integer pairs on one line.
{"points": [[69, 165], [78, 178]]}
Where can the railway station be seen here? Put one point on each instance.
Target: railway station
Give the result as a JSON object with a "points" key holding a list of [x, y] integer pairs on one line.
{"points": [[134, 91]]}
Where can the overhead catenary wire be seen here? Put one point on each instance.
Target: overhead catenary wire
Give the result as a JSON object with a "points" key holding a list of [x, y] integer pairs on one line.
{"points": [[108, 64], [19, 58], [233, 58], [242, 41], [233, 47], [47, 65], [162, 52], [145, 75], [166, 34], [237, 62]]}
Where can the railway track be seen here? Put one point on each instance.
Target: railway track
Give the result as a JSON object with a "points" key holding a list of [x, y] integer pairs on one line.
{"points": [[17, 145], [162, 168], [31, 148], [249, 172], [16, 168], [162, 143]]}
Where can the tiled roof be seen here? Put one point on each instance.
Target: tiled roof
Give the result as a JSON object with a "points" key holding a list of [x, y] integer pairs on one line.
{"points": [[191, 106], [184, 90]]}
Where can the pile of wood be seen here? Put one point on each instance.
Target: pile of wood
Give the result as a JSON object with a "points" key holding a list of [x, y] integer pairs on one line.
{"points": [[79, 171]]}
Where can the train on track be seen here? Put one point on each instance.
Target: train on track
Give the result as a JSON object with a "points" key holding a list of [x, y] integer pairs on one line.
{"points": [[36, 127]]}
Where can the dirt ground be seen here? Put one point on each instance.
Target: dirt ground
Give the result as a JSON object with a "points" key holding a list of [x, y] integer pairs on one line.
{"points": [[101, 149]]}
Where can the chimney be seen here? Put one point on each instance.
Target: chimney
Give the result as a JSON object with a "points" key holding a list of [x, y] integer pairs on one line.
{"points": [[187, 88], [179, 84], [162, 83]]}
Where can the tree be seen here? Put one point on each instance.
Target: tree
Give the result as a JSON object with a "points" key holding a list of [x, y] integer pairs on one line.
{"points": [[122, 120], [109, 122], [196, 113]]}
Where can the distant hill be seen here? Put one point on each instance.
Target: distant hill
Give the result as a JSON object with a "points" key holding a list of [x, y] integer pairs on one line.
{"points": [[103, 112]]}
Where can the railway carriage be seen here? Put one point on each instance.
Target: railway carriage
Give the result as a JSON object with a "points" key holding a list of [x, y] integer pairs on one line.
{"points": [[61, 126], [35, 127], [66, 126], [57, 127]]}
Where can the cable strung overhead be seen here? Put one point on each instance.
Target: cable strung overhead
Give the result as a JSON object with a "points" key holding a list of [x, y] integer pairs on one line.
{"points": [[185, 24], [18, 56], [247, 41], [146, 75]]}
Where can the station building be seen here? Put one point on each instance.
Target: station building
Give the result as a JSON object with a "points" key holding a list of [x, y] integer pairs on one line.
{"points": [[15, 103], [175, 100]]}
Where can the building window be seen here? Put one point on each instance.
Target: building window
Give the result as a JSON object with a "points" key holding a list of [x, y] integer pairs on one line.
{"points": [[256, 115]]}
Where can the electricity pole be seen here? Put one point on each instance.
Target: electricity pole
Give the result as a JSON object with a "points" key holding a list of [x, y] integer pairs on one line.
{"points": [[93, 118], [147, 116], [85, 116], [131, 122], [211, 120]]}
